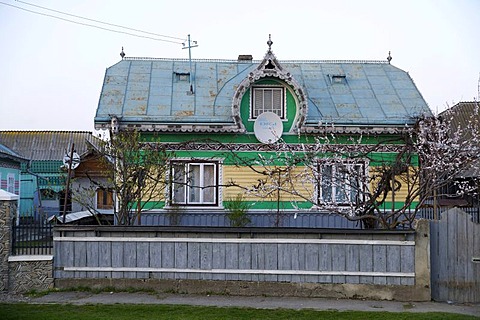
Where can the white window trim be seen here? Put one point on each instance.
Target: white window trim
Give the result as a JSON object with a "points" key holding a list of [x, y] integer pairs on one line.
{"points": [[96, 198], [283, 95], [10, 185], [363, 182], [218, 203]]}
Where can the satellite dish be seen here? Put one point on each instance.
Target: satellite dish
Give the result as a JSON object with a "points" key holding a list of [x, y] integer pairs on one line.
{"points": [[75, 160], [268, 127]]}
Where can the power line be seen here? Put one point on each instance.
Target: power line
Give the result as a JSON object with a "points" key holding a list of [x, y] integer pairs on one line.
{"points": [[91, 25], [98, 21]]}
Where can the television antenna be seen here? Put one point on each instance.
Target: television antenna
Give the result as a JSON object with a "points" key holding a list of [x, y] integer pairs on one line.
{"points": [[189, 46]]}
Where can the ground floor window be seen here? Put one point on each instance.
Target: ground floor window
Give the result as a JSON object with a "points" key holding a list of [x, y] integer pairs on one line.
{"points": [[11, 183], [341, 182], [194, 183], [104, 199]]}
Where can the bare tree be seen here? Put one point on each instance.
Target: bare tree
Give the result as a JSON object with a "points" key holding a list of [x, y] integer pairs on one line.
{"points": [[140, 173], [382, 182], [135, 171]]}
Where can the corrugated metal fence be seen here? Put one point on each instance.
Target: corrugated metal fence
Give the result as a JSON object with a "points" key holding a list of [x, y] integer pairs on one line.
{"points": [[455, 257]]}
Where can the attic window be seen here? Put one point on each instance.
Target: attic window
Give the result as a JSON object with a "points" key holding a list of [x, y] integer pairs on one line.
{"points": [[182, 76], [270, 99], [338, 79]]}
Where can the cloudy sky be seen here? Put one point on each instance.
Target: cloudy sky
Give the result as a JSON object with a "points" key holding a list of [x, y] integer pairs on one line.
{"points": [[51, 69]]}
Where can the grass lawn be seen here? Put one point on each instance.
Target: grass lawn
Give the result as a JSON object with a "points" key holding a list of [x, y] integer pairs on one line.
{"points": [[25, 311]]}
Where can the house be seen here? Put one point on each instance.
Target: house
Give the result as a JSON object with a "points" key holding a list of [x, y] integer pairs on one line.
{"points": [[221, 117], [460, 117], [10, 168], [41, 181]]}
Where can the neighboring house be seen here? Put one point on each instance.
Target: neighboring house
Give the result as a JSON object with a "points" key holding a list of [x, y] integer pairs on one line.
{"points": [[92, 197], [10, 168], [204, 110], [42, 178], [460, 117]]}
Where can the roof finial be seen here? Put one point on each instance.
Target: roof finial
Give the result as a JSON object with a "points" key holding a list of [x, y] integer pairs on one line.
{"points": [[122, 54], [389, 58], [269, 42]]}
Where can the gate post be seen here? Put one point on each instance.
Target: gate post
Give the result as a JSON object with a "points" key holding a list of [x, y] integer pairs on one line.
{"points": [[8, 208], [422, 260]]}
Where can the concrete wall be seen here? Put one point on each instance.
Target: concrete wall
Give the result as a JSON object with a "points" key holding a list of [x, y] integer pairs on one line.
{"points": [[250, 261]]}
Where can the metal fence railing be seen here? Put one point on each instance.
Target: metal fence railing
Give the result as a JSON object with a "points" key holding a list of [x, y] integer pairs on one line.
{"points": [[32, 237], [436, 214]]}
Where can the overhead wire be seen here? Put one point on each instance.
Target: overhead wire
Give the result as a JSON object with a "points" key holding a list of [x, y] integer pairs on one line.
{"points": [[98, 21], [95, 26]]}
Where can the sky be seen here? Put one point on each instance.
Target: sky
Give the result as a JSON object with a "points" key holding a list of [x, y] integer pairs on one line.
{"points": [[52, 70]]}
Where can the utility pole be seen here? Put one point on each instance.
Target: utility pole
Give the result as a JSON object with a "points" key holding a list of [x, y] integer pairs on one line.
{"points": [[189, 46], [67, 187]]}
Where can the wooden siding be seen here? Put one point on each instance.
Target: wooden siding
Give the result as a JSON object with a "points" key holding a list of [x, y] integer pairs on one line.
{"points": [[245, 177]]}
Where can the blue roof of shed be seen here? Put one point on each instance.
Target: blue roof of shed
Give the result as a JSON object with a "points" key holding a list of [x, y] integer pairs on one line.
{"points": [[7, 152], [148, 91]]}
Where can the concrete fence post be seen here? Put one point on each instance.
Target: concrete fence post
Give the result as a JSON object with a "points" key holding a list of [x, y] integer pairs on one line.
{"points": [[8, 209]]}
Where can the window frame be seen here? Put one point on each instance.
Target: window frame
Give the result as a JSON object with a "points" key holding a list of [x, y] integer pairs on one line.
{"points": [[106, 192], [190, 190], [349, 196], [11, 183], [253, 106]]}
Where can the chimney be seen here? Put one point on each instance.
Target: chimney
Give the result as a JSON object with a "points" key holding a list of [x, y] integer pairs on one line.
{"points": [[245, 58]]}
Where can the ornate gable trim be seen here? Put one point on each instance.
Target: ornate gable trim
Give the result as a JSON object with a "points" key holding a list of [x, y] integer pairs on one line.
{"points": [[270, 67]]}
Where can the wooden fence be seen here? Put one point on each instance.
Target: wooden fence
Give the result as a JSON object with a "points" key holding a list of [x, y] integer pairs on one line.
{"points": [[359, 263], [455, 255]]}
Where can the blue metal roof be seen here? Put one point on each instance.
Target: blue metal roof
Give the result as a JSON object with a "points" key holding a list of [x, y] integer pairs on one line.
{"points": [[141, 90]]}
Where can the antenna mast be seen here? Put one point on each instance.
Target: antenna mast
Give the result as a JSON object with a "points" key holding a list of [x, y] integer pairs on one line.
{"points": [[189, 47]]}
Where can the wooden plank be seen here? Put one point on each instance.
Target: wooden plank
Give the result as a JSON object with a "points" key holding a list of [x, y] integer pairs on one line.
{"points": [[80, 254], [407, 264], [434, 265], [258, 260], [64, 258], [298, 260], [380, 263], [231, 261], [105, 258], [325, 262], [339, 255], [130, 258], [284, 261], [462, 259], [366, 262], [311, 261], [393, 263], [443, 261], [92, 258], [117, 258], [143, 258], [469, 247], [271, 260], [476, 265], [352, 263], [218, 259], [239, 240], [181, 251], [168, 259], [245, 260], [206, 257], [193, 259], [155, 254], [451, 255]]}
